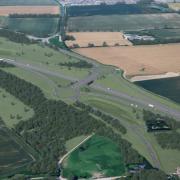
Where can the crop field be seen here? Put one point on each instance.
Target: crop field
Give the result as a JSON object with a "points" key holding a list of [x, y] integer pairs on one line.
{"points": [[7, 10], [13, 156], [97, 157], [26, 2], [174, 6], [169, 87], [13, 110], [40, 27], [138, 60], [123, 22], [83, 39]]}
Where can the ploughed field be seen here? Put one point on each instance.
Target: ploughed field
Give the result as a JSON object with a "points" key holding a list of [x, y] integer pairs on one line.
{"points": [[138, 60], [169, 87], [26, 2], [85, 39], [13, 156], [97, 157], [7, 10]]}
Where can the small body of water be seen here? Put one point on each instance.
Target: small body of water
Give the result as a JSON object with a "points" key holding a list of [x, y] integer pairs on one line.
{"points": [[168, 87]]}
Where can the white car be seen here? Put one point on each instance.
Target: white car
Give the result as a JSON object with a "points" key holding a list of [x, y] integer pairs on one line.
{"points": [[151, 105]]}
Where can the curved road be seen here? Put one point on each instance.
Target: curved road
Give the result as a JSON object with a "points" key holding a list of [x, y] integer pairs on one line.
{"points": [[115, 94], [92, 77]]}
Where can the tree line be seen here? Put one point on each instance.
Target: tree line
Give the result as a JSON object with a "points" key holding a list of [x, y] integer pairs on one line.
{"points": [[33, 15], [79, 64], [4, 64], [115, 123], [156, 41], [16, 36]]}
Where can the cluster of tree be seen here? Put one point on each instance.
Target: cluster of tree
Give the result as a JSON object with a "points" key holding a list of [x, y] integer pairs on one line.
{"points": [[69, 38], [115, 123], [149, 116], [33, 15], [55, 122], [169, 140], [5, 64], [15, 36], [75, 46], [79, 64]]}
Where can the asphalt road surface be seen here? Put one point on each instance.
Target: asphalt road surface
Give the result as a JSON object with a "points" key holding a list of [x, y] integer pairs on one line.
{"points": [[92, 77]]}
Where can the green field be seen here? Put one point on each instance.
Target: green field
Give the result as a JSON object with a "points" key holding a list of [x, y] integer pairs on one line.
{"points": [[12, 155], [26, 2], [123, 22], [12, 110], [97, 156], [40, 27], [40, 55]]}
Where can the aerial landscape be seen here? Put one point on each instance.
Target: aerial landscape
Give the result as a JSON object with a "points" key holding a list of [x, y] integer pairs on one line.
{"points": [[89, 89]]}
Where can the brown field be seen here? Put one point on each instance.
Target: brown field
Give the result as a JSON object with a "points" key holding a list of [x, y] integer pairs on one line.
{"points": [[97, 38], [6, 10], [138, 60], [174, 6]]}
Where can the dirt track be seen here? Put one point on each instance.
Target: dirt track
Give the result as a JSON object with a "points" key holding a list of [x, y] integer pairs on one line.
{"points": [[138, 60], [6, 10]]}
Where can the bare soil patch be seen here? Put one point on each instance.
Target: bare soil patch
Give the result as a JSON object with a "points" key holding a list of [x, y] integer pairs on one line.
{"points": [[83, 39], [138, 60], [6, 10]]}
